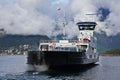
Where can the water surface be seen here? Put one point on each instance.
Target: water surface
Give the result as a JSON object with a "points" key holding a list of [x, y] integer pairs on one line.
{"points": [[14, 67]]}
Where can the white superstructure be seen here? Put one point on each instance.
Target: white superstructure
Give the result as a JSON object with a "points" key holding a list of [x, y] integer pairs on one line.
{"points": [[86, 33]]}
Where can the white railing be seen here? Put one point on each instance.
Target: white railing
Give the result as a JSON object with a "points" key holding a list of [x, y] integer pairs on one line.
{"points": [[57, 41]]}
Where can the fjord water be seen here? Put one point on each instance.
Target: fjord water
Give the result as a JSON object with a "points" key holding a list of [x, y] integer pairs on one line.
{"points": [[14, 67]]}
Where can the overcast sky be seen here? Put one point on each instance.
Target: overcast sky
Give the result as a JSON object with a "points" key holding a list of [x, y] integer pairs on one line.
{"points": [[41, 16]]}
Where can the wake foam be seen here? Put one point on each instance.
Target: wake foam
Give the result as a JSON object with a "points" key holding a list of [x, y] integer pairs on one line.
{"points": [[38, 68]]}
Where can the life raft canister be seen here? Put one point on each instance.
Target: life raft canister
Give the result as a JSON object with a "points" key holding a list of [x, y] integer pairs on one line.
{"points": [[86, 40]]}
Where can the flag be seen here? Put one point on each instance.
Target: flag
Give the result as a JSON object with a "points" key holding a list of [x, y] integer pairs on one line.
{"points": [[58, 9]]}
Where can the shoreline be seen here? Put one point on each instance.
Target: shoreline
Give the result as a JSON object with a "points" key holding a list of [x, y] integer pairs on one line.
{"points": [[112, 52]]}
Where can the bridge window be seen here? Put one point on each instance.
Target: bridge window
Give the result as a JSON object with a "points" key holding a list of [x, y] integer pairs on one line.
{"points": [[86, 27]]}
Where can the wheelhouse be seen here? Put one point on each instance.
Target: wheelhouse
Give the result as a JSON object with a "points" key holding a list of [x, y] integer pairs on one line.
{"points": [[86, 25]]}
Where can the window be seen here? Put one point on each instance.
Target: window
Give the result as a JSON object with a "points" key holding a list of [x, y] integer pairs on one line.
{"points": [[65, 49], [86, 27], [83, 47], [90, 56], [73, 49], [44, 47]]}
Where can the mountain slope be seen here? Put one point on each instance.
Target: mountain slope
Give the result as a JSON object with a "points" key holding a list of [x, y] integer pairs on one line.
{"points": [[107, 42], [16, 40]]}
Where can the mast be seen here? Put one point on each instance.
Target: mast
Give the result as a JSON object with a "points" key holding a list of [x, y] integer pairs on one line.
{"points": [[64, 24]]}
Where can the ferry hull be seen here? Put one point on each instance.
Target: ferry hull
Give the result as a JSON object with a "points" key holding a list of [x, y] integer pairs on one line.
{"points": [[63, 58], [55, 58]]}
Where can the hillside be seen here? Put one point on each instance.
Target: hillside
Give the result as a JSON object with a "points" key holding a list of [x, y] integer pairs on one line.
{"points": [[113, 52], [16, 40], [105, 42]]}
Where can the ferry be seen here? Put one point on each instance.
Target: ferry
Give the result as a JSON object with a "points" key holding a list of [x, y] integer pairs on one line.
{"points": [[64, 52]]}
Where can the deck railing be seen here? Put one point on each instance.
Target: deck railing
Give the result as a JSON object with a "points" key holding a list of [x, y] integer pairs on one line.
{"points": [[69, 41]]}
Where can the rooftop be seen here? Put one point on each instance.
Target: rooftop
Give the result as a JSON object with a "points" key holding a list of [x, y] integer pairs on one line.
{"points": [[86, 23]]}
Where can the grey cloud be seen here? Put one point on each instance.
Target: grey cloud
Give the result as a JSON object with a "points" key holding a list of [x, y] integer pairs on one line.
{"points": [[40, 16]]}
